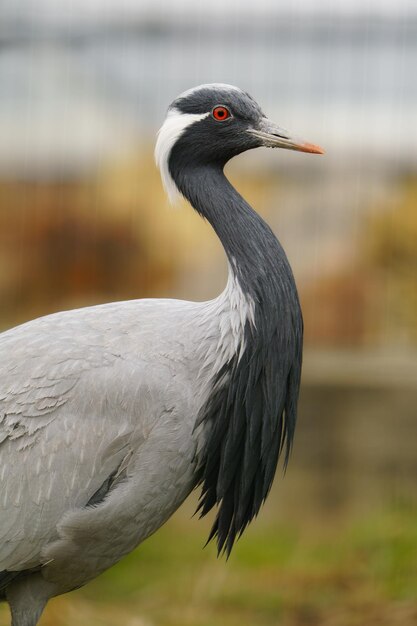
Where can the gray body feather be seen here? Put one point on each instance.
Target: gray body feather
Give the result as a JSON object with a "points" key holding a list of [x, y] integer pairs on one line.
{"points": [[86, 395]]}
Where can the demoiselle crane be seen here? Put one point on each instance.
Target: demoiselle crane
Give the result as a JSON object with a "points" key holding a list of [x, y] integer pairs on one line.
{"points": [[110, 415]]}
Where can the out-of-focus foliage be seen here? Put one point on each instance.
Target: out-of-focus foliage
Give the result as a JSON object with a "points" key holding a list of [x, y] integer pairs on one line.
{"points": [[336, 309], [391, 244], [79, 241]]}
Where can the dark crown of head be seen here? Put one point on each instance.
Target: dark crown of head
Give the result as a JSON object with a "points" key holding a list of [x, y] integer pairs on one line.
{"points": [[204, 98]]}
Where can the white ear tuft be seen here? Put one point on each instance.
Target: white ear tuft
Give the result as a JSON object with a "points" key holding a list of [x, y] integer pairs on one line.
{"points": [[169, 133]]}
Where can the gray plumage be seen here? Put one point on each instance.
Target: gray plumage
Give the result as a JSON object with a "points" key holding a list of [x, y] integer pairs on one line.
{"points": [[111, 415]]}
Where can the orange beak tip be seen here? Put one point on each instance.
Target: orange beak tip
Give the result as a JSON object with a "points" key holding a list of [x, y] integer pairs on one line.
{"points": [[311, 148]]}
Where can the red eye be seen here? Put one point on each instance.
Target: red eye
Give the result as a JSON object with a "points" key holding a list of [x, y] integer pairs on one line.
{"points": [[221, 113]]}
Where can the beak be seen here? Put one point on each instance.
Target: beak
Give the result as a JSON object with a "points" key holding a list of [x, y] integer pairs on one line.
{"points": [[272, 136]]}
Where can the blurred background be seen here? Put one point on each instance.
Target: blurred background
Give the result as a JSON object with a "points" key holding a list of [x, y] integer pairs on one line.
{"points": [[84, 86]]}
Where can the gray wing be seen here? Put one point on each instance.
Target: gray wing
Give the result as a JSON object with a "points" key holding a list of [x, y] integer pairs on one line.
{"points": [[75, 400]]}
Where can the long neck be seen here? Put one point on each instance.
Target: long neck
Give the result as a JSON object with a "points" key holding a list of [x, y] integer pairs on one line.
{"points": [[254, 253], [251, 412]]}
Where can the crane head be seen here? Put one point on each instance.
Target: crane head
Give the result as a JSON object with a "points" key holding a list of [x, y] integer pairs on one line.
{"points": [[212, 123]]}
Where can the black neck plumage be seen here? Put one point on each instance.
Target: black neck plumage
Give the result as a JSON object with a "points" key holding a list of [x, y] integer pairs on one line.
{"points": [[251, 412]]}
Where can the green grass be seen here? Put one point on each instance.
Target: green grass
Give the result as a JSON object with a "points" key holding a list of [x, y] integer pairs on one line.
{"points": [[338, 573]]}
